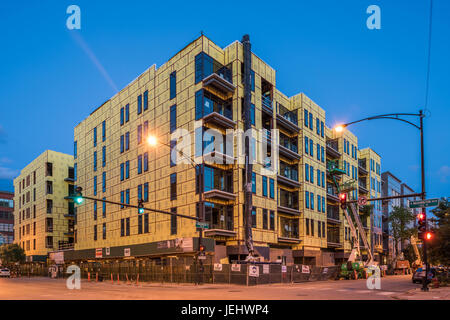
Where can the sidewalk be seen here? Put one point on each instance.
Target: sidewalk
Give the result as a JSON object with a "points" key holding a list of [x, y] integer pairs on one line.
{"points": [[442, 293]]}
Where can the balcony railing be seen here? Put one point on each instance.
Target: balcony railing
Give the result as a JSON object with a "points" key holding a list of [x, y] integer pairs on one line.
{"points": [[266, 102], [333, 212]]}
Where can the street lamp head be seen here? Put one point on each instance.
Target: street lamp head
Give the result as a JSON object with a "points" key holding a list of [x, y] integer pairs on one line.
{"points": [[151, 140], [339, 128]]}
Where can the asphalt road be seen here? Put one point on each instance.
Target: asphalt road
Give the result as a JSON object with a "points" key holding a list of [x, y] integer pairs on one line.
{"points": [[50, 289]]}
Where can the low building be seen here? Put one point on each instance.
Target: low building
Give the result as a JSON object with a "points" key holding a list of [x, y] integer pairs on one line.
{"points": [[6, 217], [43, 217]]}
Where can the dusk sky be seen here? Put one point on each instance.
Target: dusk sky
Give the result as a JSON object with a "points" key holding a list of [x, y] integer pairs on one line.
{"points": [[51, 78]]}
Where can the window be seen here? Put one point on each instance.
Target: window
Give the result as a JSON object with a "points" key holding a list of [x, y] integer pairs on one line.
{"points": [[75, 154], [321, 129], [272, 220], [265, 220], [95, 185], [317, 126], [252, 114], [146, 223], [49, 187], [95, 160], [139, 224], [122, 199], [121, 143], [306, 145], [312, 200], [323, 229], [127, 113], [139, 104], [264, 186], [122, 116], [104, 208], [122, 171], [307, 226], [319, 203], [95, 136], [319, 231], [104, 130], [318, 177], [145, 192], [104, 156], [173, 186], [127, 141], [49, 206], [145, 161], [173, 85], [306, 172], [306, 118], [75, 167], [139, 192], [323, 204], [127, 169], [104, 182], [95, 233], [253, 217], [95, 210], [312, 227], [127, 220], [252, 79], [173, 221], [104, 231], [139, 161], [145, 100], [253, 182], [145, 129], [48, 171], [122, 227], [139, 134], [173, 118], [311, 175], [307, 199], [323, 179], [310, 121], [345, 145], [271, 188], [173, 145], [318, 152], [127, 196], [311, 148]]}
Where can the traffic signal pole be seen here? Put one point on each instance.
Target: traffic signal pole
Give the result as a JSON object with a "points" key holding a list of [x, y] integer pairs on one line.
{"points": [[424, 246]]}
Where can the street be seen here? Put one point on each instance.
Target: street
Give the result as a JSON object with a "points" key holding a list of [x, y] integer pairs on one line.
{"points": [[392, 288]]}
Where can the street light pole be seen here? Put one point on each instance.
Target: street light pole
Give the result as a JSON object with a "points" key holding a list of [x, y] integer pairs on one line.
{"points": [[396, 116]]}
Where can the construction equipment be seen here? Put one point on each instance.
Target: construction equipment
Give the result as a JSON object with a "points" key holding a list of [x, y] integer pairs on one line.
{"points": [[418, 262], [354, 266]]}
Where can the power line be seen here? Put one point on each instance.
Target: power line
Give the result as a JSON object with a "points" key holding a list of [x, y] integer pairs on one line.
{"points": [[430, 24]]}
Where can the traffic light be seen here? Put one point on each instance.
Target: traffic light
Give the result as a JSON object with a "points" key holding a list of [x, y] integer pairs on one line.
{"points": [[78, 196], [202, 248], [343, 200], [422, 225], [141, 206], [428, 235]]}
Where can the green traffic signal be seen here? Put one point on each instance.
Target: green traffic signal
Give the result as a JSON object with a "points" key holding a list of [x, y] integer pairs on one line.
{"points": [[79, 199], [141, 206], [141, 210]]}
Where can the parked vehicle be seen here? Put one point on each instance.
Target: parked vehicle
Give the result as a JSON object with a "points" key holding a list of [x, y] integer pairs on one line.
{"points": [[420, 273], [4, 272]]}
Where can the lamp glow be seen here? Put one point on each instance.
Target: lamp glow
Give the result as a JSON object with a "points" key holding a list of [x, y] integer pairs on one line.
{"points": [[151, 140]]}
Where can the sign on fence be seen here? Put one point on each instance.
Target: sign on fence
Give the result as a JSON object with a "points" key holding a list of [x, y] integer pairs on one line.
{"points": [[107, 251], [217, 267], [236, 267], [305, 269], [98, 253], [325, 270], [266, 268], [253, 271], [126, 252], [283, 269]]}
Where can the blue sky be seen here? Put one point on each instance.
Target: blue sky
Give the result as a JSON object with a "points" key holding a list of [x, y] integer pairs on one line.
{"points": [[49, 82]]}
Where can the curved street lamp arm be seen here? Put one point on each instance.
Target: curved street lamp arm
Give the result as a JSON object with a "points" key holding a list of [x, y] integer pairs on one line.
{"points": [[393, 116]]}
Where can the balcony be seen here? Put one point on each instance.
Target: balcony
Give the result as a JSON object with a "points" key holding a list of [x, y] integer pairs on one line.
{"points": [[218, 184], [332, 193], [333, 214], [288, 231], [333, 237], [288, 202], [362, 186], [288, 175], [288, 147], [362, 170], [333, 149], [214, 110], [220, 219], [266, 103], [287, 119], [220, 80], [64, 245]]}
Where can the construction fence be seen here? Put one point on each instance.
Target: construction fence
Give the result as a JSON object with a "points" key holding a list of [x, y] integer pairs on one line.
{"points": [[185, 270]]}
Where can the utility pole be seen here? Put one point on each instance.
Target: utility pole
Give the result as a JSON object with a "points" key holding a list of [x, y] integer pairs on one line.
{"points": [[422, 161]]}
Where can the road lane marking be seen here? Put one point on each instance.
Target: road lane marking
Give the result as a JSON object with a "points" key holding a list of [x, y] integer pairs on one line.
{"points": [[385, 293]]}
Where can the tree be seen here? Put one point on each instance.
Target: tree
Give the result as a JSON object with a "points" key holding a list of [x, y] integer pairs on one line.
{"points": [[400, 218], [439, 246], [11, 253]]}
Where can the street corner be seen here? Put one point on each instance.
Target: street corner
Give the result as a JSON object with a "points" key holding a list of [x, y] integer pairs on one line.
{"points": [[442, 293]]}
